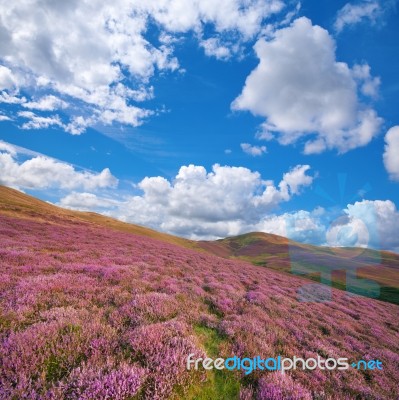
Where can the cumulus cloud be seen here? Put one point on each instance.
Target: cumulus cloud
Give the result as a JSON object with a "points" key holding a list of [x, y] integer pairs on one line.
{"points": [[201, 204], [305, 93], [381, 219], [351, 14], [253, 150], [302, 226], [347, 231], [87, 202], [99, 57], [296, 178], [391, 154], [7, 79], [229, 201], [41, 172]]}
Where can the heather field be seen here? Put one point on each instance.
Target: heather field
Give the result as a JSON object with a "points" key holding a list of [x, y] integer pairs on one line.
{"points": [[88, 312]]}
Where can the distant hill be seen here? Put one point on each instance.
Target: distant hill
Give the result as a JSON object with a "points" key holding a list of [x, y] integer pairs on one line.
{"points": [[346, 267]]}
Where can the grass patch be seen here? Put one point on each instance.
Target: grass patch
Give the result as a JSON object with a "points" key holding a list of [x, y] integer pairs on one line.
{"points": [[219, 384], [5, 322], [55, 369], [210, 339]]}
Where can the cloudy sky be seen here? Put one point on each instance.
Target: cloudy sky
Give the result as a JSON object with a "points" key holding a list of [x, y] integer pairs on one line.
{"points": [[207, 119]]}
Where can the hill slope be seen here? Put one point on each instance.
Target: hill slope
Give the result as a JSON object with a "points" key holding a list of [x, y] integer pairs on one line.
{"points": [[91, 312], [21, 205]]}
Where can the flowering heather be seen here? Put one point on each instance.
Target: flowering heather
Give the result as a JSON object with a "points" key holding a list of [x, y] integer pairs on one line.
{"points": [[88, 312]]}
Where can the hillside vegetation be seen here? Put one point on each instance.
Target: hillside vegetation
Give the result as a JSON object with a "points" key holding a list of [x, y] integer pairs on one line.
{"points": [[94, 312]]}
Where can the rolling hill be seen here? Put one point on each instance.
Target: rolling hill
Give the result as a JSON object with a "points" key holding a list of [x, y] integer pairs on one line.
{"points": [[96, 310]]}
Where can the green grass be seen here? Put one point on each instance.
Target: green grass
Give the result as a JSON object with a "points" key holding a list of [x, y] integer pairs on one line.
{"points": [[219, 384], [55, 369]]}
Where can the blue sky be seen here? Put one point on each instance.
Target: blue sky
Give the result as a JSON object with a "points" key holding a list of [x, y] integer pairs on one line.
{"points": [[208, 120]]}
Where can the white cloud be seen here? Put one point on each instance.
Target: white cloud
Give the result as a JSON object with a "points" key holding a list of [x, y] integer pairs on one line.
{"points": [[366, 223], [197, 203], [98, 56], [381, 219], [200, 204], [204, 205], [373, 224], [391, 154], [8, 148], [7, 79], [76, 126], [86, 202], [296, 178], [302, 226], [41, 172], [213, 47], [11, 99], [141, 94], [303, 92], [38, 122], [351, 14], [234, 200], [348, 232], [226, 15], [253, 150], [46, 103], [369, 85]]}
